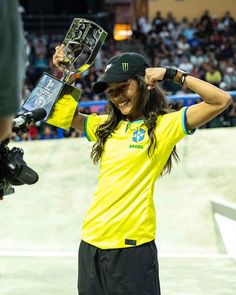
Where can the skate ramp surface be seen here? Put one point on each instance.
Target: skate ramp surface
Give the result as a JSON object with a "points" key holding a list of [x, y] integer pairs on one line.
{"points": [[41, 224], [48, 215]]}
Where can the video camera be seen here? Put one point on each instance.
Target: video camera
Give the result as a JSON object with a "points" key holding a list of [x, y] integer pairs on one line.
{"points": [[13, 169]]}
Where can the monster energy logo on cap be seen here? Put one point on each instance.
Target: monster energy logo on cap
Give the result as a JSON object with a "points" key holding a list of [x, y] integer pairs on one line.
{"points": [[121, 68], [125, 66]]}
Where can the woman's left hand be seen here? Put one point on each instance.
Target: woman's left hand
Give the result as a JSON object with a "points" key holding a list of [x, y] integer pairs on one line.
{"points": [[153, 76]]}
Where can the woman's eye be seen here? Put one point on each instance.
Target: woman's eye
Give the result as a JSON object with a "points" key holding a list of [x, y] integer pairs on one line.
{"points": [[123, 87], [113, 92]]}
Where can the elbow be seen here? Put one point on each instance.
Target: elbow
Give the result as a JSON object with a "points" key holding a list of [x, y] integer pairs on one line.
{"points": [[228, 100], [225, 101]]}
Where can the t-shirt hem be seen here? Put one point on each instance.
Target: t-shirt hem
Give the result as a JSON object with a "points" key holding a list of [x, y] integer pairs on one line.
{"points": [[117, 246]]}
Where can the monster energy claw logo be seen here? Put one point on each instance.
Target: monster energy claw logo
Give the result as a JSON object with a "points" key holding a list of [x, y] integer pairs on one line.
{"points": [[125, 66]]}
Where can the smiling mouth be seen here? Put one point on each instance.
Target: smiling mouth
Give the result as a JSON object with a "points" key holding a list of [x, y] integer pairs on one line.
{"points": [[122, 104]]}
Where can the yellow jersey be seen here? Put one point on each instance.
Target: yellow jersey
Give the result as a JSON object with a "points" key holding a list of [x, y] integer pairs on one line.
{"points": [[122, 213]]}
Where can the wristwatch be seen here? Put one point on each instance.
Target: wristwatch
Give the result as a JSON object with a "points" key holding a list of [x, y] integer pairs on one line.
{"points": [[175, 74], [180, 77]]}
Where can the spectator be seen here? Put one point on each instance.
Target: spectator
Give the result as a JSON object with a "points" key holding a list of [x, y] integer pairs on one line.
{"points": [[185, 64], [33, 132], [145, 25], [197, 58], [165, 41], [229, 78], [213, 75], [189, 32], [47, 133], [158, 22], [182, 45]]}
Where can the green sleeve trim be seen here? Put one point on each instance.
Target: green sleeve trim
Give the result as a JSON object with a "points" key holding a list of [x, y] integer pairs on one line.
{"points": [[86, 129], [184, 123]]}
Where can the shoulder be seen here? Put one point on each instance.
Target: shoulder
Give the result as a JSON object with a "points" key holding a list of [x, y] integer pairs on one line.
{"points": [[91, 123], [171, 116], [175, 120], [96, 119]]}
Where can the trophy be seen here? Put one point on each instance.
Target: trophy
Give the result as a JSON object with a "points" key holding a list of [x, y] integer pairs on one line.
{"points": [[58, 97]]}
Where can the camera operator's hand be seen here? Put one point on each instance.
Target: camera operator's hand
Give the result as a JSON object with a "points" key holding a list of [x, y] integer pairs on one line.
{"points": [[59, 57]]}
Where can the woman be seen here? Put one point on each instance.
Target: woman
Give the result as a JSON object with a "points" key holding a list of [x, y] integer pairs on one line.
{"points": [[135, 144]]}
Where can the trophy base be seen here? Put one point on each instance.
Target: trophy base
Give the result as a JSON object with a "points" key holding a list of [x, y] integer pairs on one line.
{"points": [[59, 99]]}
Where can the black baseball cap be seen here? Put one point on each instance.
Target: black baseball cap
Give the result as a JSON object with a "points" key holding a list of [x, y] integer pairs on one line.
{"points": [[120, 68]]}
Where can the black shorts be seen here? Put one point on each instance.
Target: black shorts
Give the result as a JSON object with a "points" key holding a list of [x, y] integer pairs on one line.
{"points": [[126, 271]]}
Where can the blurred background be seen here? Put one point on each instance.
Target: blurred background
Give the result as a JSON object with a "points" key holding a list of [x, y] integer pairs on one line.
{"points": [[196, 205], [200, 40]]}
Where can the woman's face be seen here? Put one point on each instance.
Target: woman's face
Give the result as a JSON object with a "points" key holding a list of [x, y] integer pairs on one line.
{"points": [[125, 96]]}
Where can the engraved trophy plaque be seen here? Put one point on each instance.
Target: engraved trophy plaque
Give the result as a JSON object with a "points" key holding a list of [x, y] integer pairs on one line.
{"points": [[58, 97]]}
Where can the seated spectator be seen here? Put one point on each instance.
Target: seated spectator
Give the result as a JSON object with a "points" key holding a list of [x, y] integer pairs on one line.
{"points": [[226, 50], [144, 25], [41, 62], [33, 132], [185, 64], [171, 22], [195, 72], [47, 133], [227, 21], [40, 44], [206, 22], [204, 46], [197, 58], [229, 78], [217, 38], [158, 21], [182, 45], [189, 32], [213, 75]]}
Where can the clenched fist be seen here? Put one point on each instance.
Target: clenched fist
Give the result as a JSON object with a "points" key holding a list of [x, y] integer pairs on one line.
{"points": [[153, 76], [59, 58]]}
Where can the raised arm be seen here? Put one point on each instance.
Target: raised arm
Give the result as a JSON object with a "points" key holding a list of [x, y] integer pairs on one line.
{"points": [[214, 102], [58, 61]]}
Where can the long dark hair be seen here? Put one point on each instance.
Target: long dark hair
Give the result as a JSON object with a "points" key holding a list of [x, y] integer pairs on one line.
{"points": [[151, 104]]}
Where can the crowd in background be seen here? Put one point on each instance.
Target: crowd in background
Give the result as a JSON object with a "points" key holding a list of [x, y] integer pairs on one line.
{"points": [[205, 47]]}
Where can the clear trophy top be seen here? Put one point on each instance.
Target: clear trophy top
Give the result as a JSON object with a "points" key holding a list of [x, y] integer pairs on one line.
{"points": [[82, 43]]}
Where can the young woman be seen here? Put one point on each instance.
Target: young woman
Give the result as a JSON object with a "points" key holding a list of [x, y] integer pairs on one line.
{"points": [[134, 144]]}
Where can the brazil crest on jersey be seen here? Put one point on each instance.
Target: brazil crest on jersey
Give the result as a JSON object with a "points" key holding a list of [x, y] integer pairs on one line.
{"points": [[122, 213]]}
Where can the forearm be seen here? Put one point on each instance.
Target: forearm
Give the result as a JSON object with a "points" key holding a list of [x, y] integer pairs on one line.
{"points": [[208, 92], [214, 102], [78, 121]]}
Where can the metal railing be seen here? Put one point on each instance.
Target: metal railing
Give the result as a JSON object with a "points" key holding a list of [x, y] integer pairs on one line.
{"points": [[188, 99]]}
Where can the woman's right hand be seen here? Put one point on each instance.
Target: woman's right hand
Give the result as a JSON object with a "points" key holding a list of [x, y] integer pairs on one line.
{"points": [[59, 58]]}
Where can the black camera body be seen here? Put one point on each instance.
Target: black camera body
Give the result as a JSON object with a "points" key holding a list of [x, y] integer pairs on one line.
{"points": [[13, 169]]}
